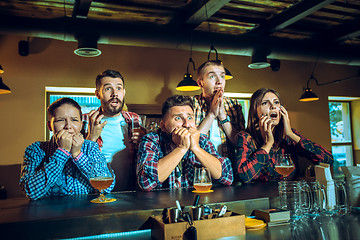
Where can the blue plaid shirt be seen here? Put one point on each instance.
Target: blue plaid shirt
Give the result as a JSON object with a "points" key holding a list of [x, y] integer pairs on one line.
{"points": [[51, 171], [155, 146]]}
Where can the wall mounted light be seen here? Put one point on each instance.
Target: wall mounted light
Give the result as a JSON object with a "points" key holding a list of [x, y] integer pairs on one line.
{"points": [[309, 95], [259, 59], [3, 88], [188, 83], [228, 75]]}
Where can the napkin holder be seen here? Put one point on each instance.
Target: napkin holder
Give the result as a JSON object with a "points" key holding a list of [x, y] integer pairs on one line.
{"points": [[323, 175]]}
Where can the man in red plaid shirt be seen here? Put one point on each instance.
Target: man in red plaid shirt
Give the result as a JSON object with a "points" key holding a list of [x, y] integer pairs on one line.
{"points": [[167, 158]]}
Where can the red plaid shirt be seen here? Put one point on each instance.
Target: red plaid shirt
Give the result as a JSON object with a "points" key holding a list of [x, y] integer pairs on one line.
{"points": [[254, 163], [155, 146]]}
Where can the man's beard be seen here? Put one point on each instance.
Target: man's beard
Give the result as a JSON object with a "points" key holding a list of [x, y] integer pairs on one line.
{"points": [[110, 110]]}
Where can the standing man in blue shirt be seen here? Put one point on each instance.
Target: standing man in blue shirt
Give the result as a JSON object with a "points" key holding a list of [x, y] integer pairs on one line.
{"points": [[110, 126]]}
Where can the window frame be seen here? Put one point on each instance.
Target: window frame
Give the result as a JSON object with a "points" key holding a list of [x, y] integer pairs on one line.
{"points": [[64, 91], [347, 143]]}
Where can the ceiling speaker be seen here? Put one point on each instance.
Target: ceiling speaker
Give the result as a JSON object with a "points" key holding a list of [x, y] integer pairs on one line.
{"points": [[24, 48]]}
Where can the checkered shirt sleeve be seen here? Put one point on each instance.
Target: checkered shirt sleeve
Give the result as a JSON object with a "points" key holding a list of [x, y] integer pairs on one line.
{"points": [[154, 147], [48, 170], [254, 163]]}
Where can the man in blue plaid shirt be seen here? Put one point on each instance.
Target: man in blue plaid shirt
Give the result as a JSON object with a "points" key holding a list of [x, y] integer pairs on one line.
{"points": [[167, 158], [64, 164]]}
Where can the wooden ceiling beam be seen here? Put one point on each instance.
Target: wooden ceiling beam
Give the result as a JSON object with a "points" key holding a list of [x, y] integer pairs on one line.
{"points": [[81, 8], [348, 31], [342, 32], [290, 16], [196, 12]]}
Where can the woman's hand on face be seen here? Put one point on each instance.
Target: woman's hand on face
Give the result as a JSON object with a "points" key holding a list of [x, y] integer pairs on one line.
{"points": [[77, 142], [266, 126], [64, 139], [287, 126]]}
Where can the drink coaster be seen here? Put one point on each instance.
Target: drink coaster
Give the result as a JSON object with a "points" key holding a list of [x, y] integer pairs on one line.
{"points": [[108, 200], [254, 224], [208, 191]]}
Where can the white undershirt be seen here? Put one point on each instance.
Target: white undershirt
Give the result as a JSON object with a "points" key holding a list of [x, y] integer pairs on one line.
{"points": [[116, 149], [215, 136]]}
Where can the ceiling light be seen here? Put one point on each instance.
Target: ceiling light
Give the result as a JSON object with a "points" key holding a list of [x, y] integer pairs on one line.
{"points": [[228, 75], [259, 60], [188, 83], [3, 88], [87, 46], [308, 96]]}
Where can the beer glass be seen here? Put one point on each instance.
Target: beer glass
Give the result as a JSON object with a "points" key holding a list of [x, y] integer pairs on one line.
{"points": [[284, 165], [101, 177], [202, 180], [137, 127], [292, 196]]}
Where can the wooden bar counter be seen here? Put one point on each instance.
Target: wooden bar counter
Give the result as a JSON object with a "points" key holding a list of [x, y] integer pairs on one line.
{"points": [[76, 216]]}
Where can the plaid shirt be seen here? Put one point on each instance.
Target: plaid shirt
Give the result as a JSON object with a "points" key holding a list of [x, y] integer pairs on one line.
{"points": [[254, 163], [233, 110], [155, 146], [51, 171]]}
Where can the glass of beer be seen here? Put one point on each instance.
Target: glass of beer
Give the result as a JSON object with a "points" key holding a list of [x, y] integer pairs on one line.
{"points": [[202, 179], [137, 126], [284, 165], [101, 177]]}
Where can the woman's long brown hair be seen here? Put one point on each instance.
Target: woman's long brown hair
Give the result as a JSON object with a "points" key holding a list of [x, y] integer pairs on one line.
{"points": [[253, 119]]}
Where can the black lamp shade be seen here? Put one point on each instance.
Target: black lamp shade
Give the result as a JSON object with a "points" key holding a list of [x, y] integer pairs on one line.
{"points": [[87, 45], [188, 84], [3, 88], [259, 60], [228, 74], [308, 96]]}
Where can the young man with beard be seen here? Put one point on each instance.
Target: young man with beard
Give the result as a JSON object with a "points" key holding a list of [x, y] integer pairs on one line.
{"points": [[167, 158], [111, 128], [217, 116]]}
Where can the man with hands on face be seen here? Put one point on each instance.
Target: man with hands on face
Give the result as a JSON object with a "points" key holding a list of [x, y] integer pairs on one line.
{"points": [[62, 165], [269, 133], [217, 116], [167, 158], [110, 127]]}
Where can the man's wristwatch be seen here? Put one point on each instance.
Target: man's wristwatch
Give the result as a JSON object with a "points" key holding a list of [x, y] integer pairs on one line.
{"points": [[227, 119]]}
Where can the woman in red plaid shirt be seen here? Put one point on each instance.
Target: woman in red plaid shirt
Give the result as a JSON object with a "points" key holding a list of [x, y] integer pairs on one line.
{"points": [[269, 133]]}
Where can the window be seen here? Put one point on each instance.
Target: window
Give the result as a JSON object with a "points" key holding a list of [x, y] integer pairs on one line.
{"points": [[341, 140], [84, 96], [244, 100]]}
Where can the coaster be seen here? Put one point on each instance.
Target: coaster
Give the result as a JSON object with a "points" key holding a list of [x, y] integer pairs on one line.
{"points": [[108, 200], [196, 191], [254, 224]]}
